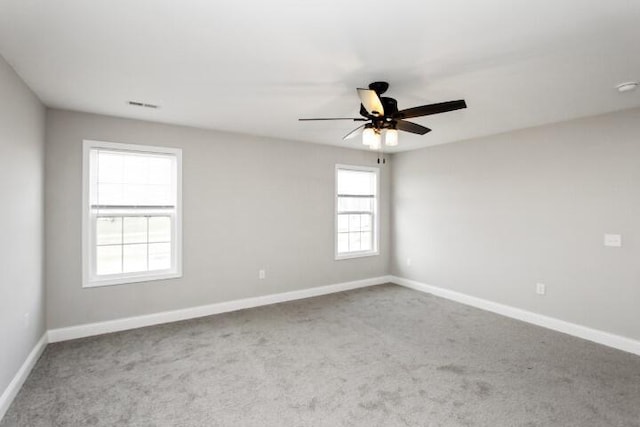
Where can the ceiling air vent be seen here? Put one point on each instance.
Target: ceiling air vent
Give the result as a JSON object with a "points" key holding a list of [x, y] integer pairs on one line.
{"points": [[142, 104]]}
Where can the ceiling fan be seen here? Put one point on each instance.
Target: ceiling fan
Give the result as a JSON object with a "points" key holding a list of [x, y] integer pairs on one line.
{"points": [[382, 116]]}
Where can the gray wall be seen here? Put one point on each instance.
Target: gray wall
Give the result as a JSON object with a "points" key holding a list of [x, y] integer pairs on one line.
{"points": [[491, 217], [22, 317], [249, 203]]}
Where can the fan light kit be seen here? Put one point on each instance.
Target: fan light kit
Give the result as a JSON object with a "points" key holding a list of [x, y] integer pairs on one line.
{"points": [[627, 87], [384, 119]]}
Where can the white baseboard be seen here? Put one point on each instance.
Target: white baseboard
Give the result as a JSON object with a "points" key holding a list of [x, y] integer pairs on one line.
{"points": [[90, 329], [16, 383], [595, 335]]}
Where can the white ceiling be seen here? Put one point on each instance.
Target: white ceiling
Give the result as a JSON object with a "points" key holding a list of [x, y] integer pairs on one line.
{"points": [[256, 67]]}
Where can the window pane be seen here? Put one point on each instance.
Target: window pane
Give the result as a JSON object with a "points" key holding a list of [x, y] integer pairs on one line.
{"points": [[354, 241], [159, 229], [365, 222], [146, 195], [109, 194], [343, 223], [110, 167], [160, 170], [136, 169], [354, 222], [159, 256], [158, 195], [366, 241], [108, 230], [134, 258], [108, 260], [135, 229], [365, 204], [356, 182], [134, 194], [344, 204], [343, 242]]}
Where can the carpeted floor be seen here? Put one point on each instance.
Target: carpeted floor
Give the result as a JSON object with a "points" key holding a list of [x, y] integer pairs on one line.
{"points": [[380, 356]]}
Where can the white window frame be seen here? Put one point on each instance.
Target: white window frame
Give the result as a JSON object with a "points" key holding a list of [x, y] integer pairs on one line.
{"points": [[376, 220], [89, 279]]}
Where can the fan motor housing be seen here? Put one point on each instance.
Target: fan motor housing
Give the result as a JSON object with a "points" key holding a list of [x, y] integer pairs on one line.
{"points": [[379, 87], [390, 106]]}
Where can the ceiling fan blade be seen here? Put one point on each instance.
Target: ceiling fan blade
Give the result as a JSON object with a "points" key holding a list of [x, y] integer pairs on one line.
{"points": [[355, 119], [357, 131], [412, 127], [427, 110], [371, 102]]}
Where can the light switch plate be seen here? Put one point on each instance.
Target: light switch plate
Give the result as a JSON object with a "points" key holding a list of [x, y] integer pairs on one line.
{"points": [[613, 240]]}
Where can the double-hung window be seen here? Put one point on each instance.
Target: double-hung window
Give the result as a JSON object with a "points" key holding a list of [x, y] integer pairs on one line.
{"points": [[356, 211], [131, 224]]}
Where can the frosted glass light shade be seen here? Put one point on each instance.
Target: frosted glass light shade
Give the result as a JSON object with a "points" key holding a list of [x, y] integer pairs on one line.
{"points": [[391, 137], [376, 142], [368, 135]]}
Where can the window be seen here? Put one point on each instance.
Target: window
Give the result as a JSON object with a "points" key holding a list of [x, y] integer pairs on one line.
{"points": [[356, 211], [131, 221]]}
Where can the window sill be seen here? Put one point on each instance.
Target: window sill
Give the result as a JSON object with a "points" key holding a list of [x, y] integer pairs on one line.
{"points": [[352, 255], [130, 279]]}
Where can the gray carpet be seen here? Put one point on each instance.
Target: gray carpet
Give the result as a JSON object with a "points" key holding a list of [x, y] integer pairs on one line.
{"points": [[381, 356]]}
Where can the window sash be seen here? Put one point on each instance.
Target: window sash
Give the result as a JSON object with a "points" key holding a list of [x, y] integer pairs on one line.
{"points": [[95, 277], [371, 230]]}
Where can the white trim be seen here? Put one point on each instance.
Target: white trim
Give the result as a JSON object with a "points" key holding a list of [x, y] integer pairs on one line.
{"points": [[90, 329], [361, 254], [19, 378], [580, 331], [88, 255], [133, 278], [376, 217]]}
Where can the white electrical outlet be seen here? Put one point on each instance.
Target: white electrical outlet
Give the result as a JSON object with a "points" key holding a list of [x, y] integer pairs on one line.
{"points": [[408, 262], [613, 240], [541, 288], [262, 274]]}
